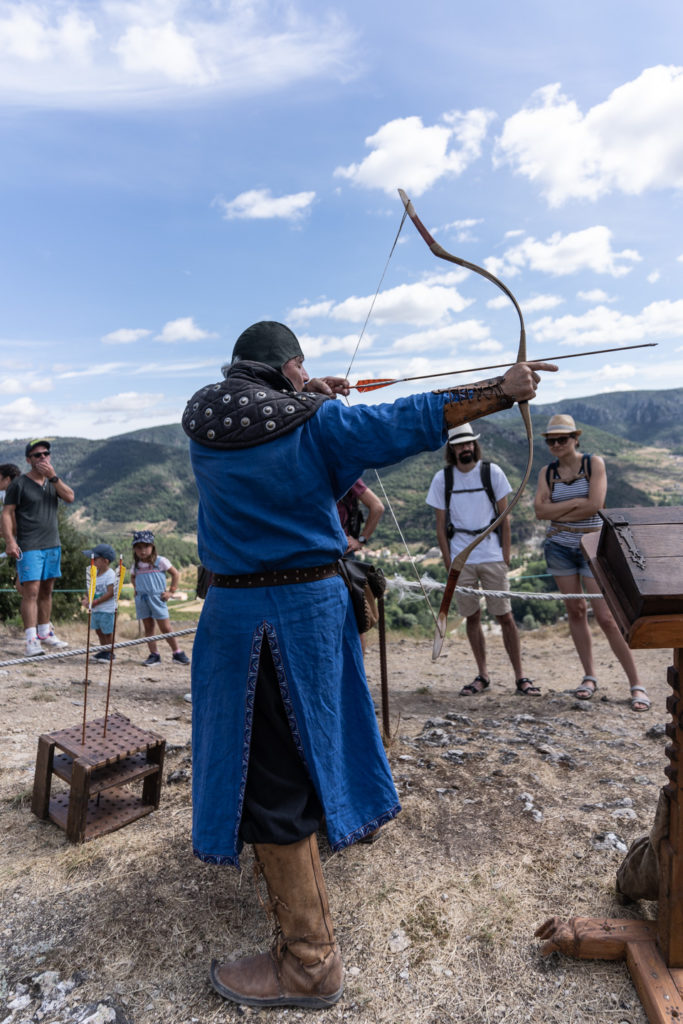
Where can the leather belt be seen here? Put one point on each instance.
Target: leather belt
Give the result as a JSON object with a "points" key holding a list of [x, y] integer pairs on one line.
{"points": [[276, 577]]}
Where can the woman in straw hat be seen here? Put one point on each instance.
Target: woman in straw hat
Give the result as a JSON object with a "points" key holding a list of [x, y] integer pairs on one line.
{"points": [[570, 491]]}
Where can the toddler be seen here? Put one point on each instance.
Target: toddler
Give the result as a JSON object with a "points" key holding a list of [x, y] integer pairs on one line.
{"points": [[149, 583], [104, 602]]}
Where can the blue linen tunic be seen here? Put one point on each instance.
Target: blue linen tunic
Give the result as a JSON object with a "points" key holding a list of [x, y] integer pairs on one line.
{"points": [[274, 506]]}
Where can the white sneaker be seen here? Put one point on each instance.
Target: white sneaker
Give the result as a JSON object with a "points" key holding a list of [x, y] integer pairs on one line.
{"points": [[33, 647], [188, 698], [52, 641]]}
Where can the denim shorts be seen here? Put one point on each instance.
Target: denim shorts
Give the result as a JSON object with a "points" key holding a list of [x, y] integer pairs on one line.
{"points": [[564, 561], [41, 564], [104, 621], [150, 606]]}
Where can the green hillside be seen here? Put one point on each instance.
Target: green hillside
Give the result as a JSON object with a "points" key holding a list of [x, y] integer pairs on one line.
{"points": [[143, 478]]}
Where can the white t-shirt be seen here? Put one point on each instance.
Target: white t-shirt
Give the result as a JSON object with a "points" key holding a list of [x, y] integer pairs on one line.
{"points": [[108, 578], [471, 511]]}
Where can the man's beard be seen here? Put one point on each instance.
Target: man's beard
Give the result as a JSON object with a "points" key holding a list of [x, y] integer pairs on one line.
{"points": [[466, 457]]}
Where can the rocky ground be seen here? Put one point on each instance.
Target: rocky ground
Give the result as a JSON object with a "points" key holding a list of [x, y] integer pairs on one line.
{"points": [[514, 809]]}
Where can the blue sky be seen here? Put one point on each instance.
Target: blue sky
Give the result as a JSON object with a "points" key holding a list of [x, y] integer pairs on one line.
{"points": [[173, 171]]}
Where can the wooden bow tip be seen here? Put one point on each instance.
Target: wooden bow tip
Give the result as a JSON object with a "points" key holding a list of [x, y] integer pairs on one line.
{"points": [[439, 635]]}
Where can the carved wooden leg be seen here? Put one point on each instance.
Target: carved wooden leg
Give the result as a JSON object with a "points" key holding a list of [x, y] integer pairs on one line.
{"points": [[670, 907], [42, 782], [78, 801]]}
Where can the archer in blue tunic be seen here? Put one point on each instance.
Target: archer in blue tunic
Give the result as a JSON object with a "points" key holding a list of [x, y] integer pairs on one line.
{"points": [[284, 728]]}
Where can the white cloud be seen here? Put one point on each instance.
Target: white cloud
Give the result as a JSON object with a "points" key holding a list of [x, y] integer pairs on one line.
{"points": [[20, 417], [446, 339], [653, 277], [125, 335], [610, 327], [315, 346], [528, 305], [407, 153], [590, 249], [98, 370], [462, 229], [27, 380], [260, 204], [125, 401], [110, 53], [417, 303], [182, 329], [594, 295], [631, 142], [163, 49]]}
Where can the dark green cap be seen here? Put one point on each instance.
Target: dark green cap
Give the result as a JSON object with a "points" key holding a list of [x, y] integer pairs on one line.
{"points": [[267, 342]]}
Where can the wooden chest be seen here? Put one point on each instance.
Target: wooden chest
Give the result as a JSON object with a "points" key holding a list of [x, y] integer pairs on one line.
{"points": [[637, 559]]}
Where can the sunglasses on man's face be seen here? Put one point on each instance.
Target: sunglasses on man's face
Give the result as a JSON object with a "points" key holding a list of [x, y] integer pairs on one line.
{"points": [[552, 441], [39, 455]]}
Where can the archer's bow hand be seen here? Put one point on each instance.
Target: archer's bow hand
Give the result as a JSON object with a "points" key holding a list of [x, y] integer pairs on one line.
{"points": [[522, 379], [330, 386]]}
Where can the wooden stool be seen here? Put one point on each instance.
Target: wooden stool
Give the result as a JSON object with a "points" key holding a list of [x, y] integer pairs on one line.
{"points": [[96, 770], [638, 561]]}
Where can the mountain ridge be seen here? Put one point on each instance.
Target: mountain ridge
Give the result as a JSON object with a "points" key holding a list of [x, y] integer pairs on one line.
{"points": [[143, 477]]}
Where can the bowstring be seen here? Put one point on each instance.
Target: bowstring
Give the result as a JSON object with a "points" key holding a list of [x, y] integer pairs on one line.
{"points": [[379, 479]]}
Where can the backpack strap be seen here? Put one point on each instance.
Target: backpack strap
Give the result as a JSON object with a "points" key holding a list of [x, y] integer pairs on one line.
{"points": [[488, 487], [485, 486], [553, 470], [448, 481]]}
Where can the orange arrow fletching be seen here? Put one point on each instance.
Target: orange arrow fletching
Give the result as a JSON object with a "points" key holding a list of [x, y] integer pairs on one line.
{"points": [[373, 385]]}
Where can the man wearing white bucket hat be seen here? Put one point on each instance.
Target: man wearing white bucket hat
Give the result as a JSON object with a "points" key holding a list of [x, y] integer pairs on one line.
{"points": [[467, 495]]}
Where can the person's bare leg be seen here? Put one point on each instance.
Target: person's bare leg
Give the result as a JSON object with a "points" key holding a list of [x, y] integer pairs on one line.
{"points": [[578, 621], [511, 641], [475, 635], [45, 600], [29, 603], [165, 627], [148, 626], [605, 620]]}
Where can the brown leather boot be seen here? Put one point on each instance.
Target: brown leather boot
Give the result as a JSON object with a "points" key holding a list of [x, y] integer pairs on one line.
{"points": [[304, 967]]}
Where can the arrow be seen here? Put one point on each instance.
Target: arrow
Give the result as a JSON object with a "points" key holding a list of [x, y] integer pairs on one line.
{"points": [[384, 382]]}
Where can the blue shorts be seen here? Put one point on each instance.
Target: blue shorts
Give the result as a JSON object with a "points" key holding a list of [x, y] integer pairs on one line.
{"points": [[150, 606], [104, 621], [41, 564], [564, 561]]}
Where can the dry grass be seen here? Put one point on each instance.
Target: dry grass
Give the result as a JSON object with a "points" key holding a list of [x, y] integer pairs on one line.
{"points": [[435, 920]]}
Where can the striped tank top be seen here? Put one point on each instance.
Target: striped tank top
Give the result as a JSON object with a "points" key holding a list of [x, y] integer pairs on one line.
{"points": [[569, 534]]}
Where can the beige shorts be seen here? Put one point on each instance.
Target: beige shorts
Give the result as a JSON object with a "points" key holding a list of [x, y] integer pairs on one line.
{"points": [[485, 576]]}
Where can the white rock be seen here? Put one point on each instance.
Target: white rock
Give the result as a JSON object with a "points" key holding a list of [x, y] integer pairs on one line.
{"points": [[398, 941]]}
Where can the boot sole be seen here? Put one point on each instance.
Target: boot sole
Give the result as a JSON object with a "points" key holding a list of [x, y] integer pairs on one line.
{"points": [[306, 1002]]}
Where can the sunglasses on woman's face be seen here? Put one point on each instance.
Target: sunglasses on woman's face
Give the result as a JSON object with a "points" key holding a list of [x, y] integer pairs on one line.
{"points": [[552, 441]]}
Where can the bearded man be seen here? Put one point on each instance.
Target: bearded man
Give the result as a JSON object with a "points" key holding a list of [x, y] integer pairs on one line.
{"points": [[284, 733], [468, 495]]}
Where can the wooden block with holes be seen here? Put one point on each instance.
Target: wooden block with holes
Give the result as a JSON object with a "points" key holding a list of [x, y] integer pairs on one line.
{"points": [[99, 772]]}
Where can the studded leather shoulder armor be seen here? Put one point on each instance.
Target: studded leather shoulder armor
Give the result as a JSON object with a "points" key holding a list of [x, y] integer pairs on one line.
{"points": [[253, 405]]}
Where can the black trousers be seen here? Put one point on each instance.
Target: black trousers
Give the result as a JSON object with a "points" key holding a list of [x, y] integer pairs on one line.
{"points": [[280, 803]]}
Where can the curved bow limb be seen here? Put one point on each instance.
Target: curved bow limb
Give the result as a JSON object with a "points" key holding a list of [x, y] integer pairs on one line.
{"points": [[460, 559]]}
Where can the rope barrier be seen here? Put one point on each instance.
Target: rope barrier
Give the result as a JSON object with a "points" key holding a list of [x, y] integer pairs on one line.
{"points": [[401, 584], [398, 583], [94, 648]]}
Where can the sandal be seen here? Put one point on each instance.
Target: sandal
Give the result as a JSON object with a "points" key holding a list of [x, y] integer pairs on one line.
{"points": [[478, 685], [585, 691], [644, 700], [526, 687]]}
